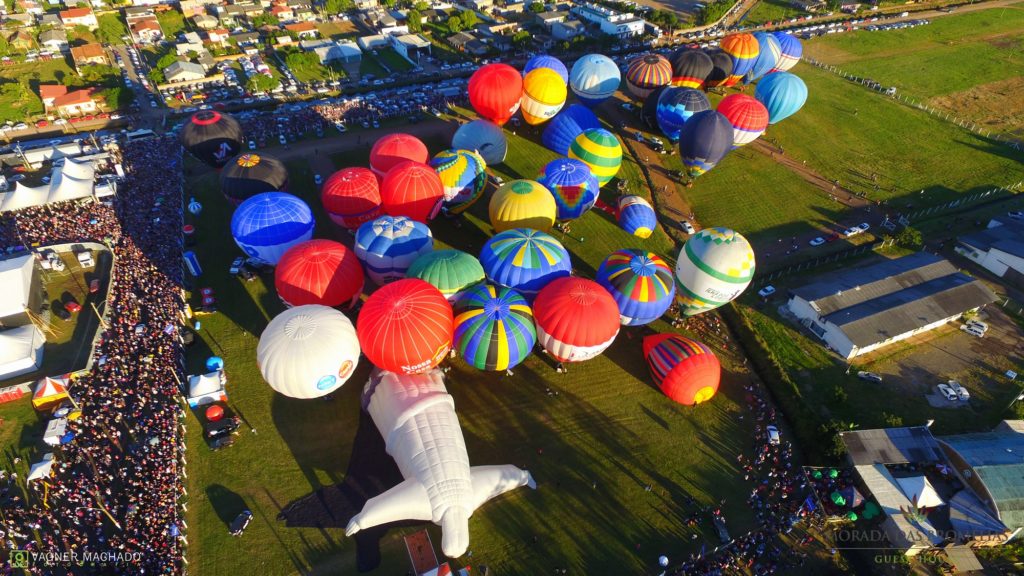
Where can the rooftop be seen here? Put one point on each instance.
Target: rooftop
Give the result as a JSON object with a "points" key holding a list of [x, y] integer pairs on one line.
{"points": [[87, 51], [997, 457], [75, 13], [892, 446], [1005, 236]]}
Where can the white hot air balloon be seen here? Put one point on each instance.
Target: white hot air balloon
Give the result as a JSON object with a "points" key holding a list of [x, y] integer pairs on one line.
{"points": [[308, 351], [714, 267]]}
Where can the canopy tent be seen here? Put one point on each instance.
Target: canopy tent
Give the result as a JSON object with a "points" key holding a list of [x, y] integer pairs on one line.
{"points": [[50, 391], [15, 289], [55, 429], [920, 491], [206, 389], [41, 470], [70, 181], [21, 350]]}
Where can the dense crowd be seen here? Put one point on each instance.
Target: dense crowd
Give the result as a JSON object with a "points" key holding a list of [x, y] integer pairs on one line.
{"points": [[114, 487]]}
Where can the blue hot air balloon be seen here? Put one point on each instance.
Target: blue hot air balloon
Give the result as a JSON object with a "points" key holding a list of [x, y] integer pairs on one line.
{"points": [[594, 78], [573, 185], [767, 57], [636, 216], [782, 93], [388, 245], [704, 140], [791, 51], [484, 137], [525, 260], [545, 61], [266, 225], [563, 129], [676, 105]]}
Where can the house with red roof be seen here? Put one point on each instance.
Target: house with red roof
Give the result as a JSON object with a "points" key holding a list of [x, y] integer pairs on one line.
{"points": [[56, 98], [79, 17]]}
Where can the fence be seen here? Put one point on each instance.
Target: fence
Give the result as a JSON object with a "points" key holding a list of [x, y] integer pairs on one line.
{"points": [[906, 219], [1005, 139], [763, 279]]}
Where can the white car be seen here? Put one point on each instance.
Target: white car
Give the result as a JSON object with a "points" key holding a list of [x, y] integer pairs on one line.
{"points": [[687, 227], [817, 241], [869, 377], [853, 231], [864, 226], [978, 324], [973, 330], [948, 393], [961, 393], [773, 434], [236, 265], [282, 139], [766, 291]]}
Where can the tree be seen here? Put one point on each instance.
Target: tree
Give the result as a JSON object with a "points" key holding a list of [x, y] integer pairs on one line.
{"points": [[111, 30], [415, 20], [892, 420], [469, 19], [264, 19], [421, 6], [910, 238], [536, 7], [261, 83], [5, 46], [521, 39], [337, 6], [118, 98], [455, 24]]}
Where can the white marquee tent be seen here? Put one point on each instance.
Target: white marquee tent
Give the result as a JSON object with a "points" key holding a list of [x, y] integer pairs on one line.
{"points": [[206, 389], [41, 470], [920, 488], [21, 350], [70, 181], [15, 285]]}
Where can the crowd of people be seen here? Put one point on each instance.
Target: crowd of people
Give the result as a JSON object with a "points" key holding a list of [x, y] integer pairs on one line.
{"points": [[114, 488]]}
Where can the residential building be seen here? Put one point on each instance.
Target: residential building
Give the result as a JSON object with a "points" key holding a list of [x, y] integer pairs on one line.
{"points": [[21, 40], [513, 8], [304, 30], [190, 8], [218, 36], [246, 38], [369, 43], [857, 310], [466, 42], [568, 30], [54, 40], [410, 46], [282, 13], [79, 17], [56, 98], [618, 24], [548, 19], [48, 20], [328, 51], [205, 21], [808, 5], [998, 249], [143, 25], [192, 43], [184, 72], [366, 4], [480, 5], [30, 7], [87, 55]]}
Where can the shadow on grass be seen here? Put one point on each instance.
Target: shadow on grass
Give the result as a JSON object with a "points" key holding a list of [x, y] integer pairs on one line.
{"points": [[226, 504]]}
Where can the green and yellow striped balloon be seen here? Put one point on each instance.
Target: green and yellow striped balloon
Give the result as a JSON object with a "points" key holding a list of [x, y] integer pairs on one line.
{"points": [[714, 267], [494, 328], [599, 149]]}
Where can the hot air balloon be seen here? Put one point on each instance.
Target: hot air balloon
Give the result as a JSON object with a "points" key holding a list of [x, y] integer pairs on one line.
{"points": [[388, 245], [308, 351], [249, 174], [483, 137], [522, 204], [351, 196], [790, 50], [194, 207], [494, 327], [641, 284], [524, 260], [566, 126], [412, 189], [721, 68], [406, 327], [450, 271], [647, 72], [704, 140], [573, 186], [594, 78], [266, 225], [685, 370], [576, 319], [494, 92], [393, 149], [636, 216], [549, 62], [782, 93], [690, 67], [748, 117], [768, 56], [463, 175], [649, 109], [544, 95], [599, 149], [676, 106], [743, 49], [319, 272], [212, 137], [714, 267]]}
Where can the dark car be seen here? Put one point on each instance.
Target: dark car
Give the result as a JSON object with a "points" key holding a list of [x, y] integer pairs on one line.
{"points": [[62, 313], [94, 286], [240, 522], [221, 427]]}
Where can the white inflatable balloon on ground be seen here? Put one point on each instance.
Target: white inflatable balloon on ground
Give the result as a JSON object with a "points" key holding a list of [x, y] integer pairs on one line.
{"points": [[308, 351], [714, 267]]}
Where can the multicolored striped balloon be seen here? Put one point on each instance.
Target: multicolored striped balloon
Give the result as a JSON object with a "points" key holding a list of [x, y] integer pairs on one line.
{"points": [[494, 327], [641, 284], [687, 371], [714, 267], [463, 174], [450, 271], [525, 260], [676, 106], [573, 185], [636, 216], [388, 245], [599, 149], [743, 49], [690, 67], [647, 72]]}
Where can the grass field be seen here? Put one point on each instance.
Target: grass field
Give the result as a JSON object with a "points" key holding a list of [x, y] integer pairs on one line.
{"points": [[368, 65], [393, 60], [770, 11]]}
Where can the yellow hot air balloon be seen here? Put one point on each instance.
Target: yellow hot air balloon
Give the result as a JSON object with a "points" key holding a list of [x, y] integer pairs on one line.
{"points": [[544, 94], [522, 204]]}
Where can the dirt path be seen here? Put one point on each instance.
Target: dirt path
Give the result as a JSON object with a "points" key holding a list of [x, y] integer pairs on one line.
{"points": [[827, 187]]}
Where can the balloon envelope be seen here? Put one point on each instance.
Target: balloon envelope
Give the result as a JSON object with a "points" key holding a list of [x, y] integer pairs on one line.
{"points": [[636, 216], [484, 137], [544, 95], [687, 371], [714, 267], [573, 186], [319, 272], [676, 106], [600, 150], [782, 93], [494, 92], [212, 137], [749, 118], [641, 284], [743, 50], [266, 225], [690, 67], [721, 68], [768, 55], [406, 327], [393, 149], [308, 351], [790, 50], [549, 62], [649, 109], [576, 319], [594, 78], [351, 196], [522, 204], [704, 140], [412, 189], [494, 327], [388, 245], [525, 260], [249, 174], [450, 271], [647, 72], [566, 126], [463, 175]]}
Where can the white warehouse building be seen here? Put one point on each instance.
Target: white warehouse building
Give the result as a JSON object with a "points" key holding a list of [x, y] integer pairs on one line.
{"points": [[618, 24], [858, 310], [999, 249]]}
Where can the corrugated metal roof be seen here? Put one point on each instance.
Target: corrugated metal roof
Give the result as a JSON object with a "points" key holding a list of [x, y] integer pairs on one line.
{"points": [[998, 459], [1004, 235], [892, 446]]}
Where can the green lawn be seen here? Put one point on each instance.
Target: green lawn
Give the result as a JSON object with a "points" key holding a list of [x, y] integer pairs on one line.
{"points": [[172, 22], [766, 11], [393, 60], [369, 65]]}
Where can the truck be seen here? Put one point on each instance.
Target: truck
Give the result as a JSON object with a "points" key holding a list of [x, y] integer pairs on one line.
{"points": [[85, 259]]}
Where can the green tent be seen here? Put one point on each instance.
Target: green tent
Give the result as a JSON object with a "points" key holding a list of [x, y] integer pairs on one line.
{"points": [[851, 515], [838, 499], [817, 475], [870, 511], [833, 473]]}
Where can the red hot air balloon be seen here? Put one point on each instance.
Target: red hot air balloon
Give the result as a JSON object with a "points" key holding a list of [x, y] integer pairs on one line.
{"points": [[412, 189], [319, 272], [577, 319], [749, 118], [495, 91], [685, 370], [393, 149], [406, 327], [351, 196]]}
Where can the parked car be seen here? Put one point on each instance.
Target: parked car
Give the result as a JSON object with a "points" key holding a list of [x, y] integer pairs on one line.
{"points": [[773, 434], [948, 393], [236, 265], [72, 306], [852, 231], [61, 313], [864, 226], [978, 324], [1016, 215], [869, 376], [687, 227], [252, 144], [972, 330], [282, 139], [961, 393], [766, 291], [240, 522], [817, 241], [94, 286]]}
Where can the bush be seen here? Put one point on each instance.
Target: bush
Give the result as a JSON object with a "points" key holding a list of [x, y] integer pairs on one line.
{"points": [[892, 420], [839, 395]]}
